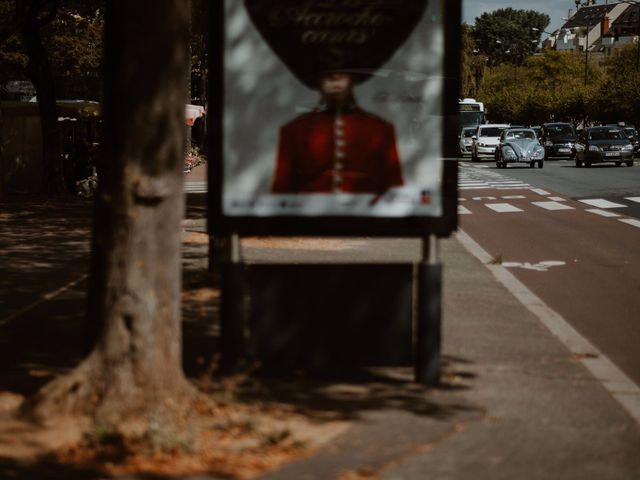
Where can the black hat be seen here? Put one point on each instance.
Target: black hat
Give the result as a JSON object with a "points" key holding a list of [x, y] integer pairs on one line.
{"points": [[313, 37]]}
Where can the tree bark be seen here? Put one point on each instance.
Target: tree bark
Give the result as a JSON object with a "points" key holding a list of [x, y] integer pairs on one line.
{"points": [[135, 282], [32, 16]]}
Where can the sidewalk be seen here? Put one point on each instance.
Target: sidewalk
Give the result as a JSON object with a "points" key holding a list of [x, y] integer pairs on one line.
{"points": [[514, 403]]}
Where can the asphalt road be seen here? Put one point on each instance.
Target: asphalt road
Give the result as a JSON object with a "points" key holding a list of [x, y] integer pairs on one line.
{"points": [[571, 235], [561, 176]]}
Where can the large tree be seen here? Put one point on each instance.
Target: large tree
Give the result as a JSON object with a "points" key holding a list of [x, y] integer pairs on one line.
{"points": [[134, 291], [508, 35]]}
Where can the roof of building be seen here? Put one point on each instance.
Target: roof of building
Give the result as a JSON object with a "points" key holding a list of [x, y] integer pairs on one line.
{"points": [[590, 15], [628, 16]]}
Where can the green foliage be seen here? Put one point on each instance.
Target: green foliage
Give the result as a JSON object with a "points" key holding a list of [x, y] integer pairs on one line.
{"points": [[473, 65], [73, 41], [507, 35], [619, 97], [548, 86]]}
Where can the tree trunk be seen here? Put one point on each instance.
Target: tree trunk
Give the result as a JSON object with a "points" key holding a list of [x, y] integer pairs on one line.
{"points": [[40, 74], [134, 292]]}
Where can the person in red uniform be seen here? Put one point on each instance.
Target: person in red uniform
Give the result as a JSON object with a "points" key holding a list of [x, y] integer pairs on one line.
{"points": [[338, 147]]}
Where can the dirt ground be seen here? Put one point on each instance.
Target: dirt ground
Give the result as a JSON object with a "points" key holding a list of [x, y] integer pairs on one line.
{"points": [[236, 426]]}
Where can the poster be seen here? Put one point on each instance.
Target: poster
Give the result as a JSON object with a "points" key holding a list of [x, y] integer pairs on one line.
{"points": [[333, 108]]}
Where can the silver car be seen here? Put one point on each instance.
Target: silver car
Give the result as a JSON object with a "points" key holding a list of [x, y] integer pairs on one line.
{"points": [[466, 140], [519, 145]]}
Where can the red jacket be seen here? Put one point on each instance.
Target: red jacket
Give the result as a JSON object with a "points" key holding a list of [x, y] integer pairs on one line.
{"points": [[329, 150]]}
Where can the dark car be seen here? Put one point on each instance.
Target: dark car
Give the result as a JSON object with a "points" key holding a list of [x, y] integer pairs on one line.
{"points": [[631, 133], [634, 138], [603, 144], [559, 140]]}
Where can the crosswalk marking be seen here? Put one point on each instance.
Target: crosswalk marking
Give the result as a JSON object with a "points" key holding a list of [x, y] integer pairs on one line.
{"points": [[557, 199], [602, 213], [478, 177], [463, 210], [502, 207], [633, 199], [602, 203], [513, 197], [540, 191], [553, 206], [195, 187], [630, 221]]}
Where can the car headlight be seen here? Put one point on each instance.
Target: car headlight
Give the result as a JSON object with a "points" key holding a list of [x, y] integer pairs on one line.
{"points": [[548, 143], [593, 148], [509, 154], [627, 148], [537, 152]]}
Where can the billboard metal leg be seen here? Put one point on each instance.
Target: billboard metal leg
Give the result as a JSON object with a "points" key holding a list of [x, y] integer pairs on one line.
{"points": [[428, 318], [231, 305]]}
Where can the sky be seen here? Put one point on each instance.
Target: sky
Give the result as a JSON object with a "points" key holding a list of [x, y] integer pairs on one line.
{"points": [[556, 9]]}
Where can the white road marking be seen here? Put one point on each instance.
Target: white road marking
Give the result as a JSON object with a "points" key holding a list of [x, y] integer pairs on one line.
{"points": [[195, 187], [43, 298], [502, 207], [513, 197], [553, 206], [540, 266], [614, 380], [602, 203], [558, 199], [463, 210], [630, 221], [633, 199], [603, 213], [540, 191], [484, 198]]}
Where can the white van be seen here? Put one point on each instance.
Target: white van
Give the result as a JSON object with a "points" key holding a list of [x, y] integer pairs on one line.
{"points": [[486, 140]]}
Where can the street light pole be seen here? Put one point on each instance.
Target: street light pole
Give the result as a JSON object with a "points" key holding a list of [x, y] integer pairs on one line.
{"points": [[586, 54]]}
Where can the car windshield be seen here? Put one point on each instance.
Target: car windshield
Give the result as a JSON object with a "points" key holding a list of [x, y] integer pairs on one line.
{"points": [[606, 134], [490, 132], [468, 133], [631, 132], [559, 130], [518, 134]]}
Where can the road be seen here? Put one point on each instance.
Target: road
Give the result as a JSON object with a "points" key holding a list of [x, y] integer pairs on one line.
{"points": [[571, 235]]}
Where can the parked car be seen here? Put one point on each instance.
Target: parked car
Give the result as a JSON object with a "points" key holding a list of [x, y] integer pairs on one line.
{"points": [[466, 142], [559, 140], [486, 140], [519, 145], [603, 144]]}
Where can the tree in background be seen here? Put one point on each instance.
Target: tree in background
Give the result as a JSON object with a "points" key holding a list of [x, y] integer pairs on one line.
{"points": [[55, 45], [473, 64], [619, 96], [508, 35], [547, 87]]}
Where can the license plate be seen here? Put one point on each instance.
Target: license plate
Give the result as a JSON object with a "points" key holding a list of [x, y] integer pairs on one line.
{"points": [[611, 154], [564, 150]]}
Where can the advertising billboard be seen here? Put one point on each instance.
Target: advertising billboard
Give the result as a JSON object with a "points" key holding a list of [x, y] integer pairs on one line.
{"points": [[334, 116]]}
